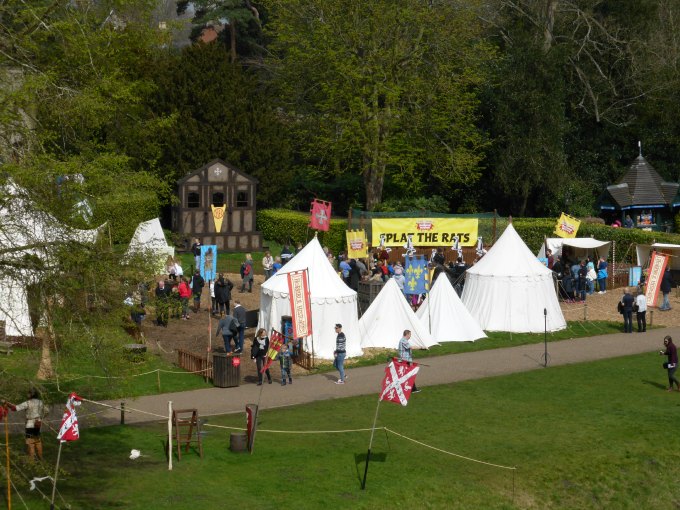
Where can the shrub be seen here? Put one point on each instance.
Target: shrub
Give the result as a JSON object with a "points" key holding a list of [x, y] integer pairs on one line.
{"points": [[291, 227]]}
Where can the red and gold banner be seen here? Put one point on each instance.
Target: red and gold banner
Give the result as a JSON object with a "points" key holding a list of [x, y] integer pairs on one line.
{"points": [[657, 265], [218, 216], [251, 424], [276, 340], [300, 306]]}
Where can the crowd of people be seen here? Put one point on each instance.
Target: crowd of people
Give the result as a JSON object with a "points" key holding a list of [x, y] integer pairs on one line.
{"points": [[578, 278]]}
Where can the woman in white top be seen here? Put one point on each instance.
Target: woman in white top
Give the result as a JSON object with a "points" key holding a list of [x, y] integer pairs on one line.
{"points": [[268, 265], [641, 312]]}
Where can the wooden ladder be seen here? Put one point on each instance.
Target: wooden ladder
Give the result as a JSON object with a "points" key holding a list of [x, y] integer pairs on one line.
{"points": [[185, 420]]}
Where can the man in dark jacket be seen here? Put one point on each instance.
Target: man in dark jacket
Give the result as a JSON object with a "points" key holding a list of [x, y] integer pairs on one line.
{"points": [[228, 326], [672, 364], [223, 288], [162, 303], [666, 287], [627, 302], [197, 284], [240, 314]]}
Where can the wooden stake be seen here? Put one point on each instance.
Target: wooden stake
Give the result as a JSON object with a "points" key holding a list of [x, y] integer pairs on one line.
{"points": [[56, 473]]}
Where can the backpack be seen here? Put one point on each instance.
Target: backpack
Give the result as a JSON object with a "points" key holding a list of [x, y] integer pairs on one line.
{"points": [[233, 327], [246, 270]]}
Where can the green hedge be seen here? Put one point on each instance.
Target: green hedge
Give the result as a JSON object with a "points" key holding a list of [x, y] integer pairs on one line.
{"points": [[533, 231], [291, 227]]}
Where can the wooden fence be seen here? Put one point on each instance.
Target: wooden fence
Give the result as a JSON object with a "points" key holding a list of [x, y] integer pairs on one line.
{"points": [[192, 362]]}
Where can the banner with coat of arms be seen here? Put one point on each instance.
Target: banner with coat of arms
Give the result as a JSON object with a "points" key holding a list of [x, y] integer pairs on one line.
{"points": [[218, 216], [416, 275], [357, 244], [567, 226]]}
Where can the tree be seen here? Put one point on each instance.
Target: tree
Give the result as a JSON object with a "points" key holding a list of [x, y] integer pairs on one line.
{"points": [[381, 89]]}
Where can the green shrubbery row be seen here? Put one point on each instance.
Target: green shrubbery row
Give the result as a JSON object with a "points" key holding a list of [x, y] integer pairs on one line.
{"points": [[290, 227]]}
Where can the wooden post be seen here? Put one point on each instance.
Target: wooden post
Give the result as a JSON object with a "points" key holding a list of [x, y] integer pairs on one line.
{"points": [[158, 379], [56, 473], [122, 413]]}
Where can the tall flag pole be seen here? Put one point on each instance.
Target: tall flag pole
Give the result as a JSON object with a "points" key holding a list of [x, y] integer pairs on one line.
{"points": [[400, 377], [320, 215], [3, 415], [68, 431]]}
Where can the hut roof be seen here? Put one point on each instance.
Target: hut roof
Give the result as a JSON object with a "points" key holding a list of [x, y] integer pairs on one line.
{"points": [[642, 186]]}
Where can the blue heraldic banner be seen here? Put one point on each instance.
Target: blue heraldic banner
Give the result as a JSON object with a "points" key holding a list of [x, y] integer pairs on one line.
{"points": [[416, 275], [208, 262]]}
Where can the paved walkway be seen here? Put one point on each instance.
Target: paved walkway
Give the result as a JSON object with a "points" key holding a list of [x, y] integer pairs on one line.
{"points": [[366, 380]]}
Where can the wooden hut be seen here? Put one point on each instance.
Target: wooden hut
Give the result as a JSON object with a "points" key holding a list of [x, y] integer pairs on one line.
{"points": [[218, 184], [644, 196]]}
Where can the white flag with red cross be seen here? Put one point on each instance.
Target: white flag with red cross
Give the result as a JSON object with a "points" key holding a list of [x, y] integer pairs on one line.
{"points": [[400, 376], [69, 424]]}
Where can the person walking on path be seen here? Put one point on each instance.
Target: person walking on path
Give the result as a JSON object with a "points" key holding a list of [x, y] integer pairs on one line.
{"points": [[35, 412], [286, 365], [406, 354], [258, 352], [627, 302], [339, 353], [197, 284], [666, 286], [641, 311], [223, 288], [672, 352], [240, 315], [229, 329]]}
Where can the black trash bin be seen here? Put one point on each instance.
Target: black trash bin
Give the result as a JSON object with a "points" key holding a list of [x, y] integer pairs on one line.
{"points": [[226, 370]]}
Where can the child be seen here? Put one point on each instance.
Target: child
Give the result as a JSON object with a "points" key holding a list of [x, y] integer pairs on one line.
{"points": [[286, 365]]}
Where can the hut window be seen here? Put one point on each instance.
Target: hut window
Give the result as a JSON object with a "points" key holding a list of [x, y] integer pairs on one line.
{"points": [[242, 199], [218, 199], [193, 199]]}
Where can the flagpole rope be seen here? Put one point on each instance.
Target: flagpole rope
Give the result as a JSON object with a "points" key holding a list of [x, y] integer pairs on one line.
{"points": [[127, 409], [290, 431], [449, 453]]}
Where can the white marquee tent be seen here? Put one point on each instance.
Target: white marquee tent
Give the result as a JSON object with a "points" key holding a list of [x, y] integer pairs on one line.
{"points": [[508, 289], [447, 318], [332, 302], [26, 231], [644, 253], [149, 241], [384, 322], [580, 246]]}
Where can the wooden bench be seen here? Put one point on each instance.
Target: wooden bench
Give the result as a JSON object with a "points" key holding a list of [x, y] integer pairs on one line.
{"points": [[6, 347]]}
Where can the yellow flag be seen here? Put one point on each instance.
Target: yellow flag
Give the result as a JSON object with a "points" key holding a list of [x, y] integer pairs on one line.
{"points": [[357, 244], [567, 226], [218, 216]]}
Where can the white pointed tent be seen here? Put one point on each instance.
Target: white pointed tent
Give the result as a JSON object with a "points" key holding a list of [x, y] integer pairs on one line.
{"points": [[448, 320], [384, 322], [508, 289], [26, 231], [332, 302], [149, 241]]}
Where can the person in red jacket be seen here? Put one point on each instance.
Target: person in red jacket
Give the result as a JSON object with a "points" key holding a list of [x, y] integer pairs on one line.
{"points": [[184, 295]]}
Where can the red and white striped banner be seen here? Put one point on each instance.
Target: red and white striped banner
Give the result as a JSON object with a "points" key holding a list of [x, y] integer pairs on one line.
{"points": [[300, 305], [657, 266]]}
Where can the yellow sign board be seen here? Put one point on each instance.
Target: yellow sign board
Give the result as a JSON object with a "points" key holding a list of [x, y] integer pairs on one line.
{"points": [[567, 226], [357, 244], [425, 231]]}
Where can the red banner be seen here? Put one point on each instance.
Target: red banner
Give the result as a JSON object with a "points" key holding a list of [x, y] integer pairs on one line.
{"points": [[276, 340], [300, 306], [400, 376], [320, 215], [69, 424], [251, 424], [657, 265]]}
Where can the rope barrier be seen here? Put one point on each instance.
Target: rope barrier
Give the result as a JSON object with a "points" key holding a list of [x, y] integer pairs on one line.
{"points": [[449, 453]]}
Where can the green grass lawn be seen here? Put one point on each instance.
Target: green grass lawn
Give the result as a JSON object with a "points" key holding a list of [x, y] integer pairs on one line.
{"points": [[593, 435]]}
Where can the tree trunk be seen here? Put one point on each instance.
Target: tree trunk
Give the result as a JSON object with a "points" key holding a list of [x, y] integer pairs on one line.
{"points": [[549, 24], [45, 370], [374, 176], [232, 36]]}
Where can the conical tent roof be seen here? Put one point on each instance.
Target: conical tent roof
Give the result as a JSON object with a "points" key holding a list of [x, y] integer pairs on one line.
{"points": [[510, 290], [332, 302], [149, 240], [383, 324], [446, 316]]}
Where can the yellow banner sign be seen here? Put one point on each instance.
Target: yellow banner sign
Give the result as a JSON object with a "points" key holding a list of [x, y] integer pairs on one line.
{"points": [[567, 226], [218, 216], [357, 244], [425, 231]]}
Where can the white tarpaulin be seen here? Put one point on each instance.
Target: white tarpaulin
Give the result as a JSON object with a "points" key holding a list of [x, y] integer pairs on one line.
{"points": [[446, 316], [580, 247], [508, 289], [384, 322], [149, 241], [332, 302], [644, 254]]}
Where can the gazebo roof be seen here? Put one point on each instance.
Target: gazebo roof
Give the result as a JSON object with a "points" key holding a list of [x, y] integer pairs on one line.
{"points": [[642, 186]]}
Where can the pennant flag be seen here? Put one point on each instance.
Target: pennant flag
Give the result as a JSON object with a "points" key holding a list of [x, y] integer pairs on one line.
{"points": [[69, 423], [208, 265], [416, 275], [410, 249], [400, 376], [657, 266], [275, 342], [567, 226], [218, 216], [298, 292], [357, 244], [320, 215], [251, 424]]}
